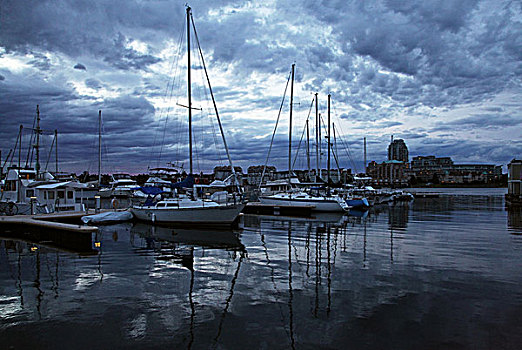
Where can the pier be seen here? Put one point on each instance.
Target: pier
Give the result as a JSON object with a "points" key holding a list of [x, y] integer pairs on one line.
{"points": [[49, 221]]}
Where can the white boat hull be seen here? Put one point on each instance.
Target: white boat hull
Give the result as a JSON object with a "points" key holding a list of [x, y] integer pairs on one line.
{"points": [[212, 215], [323, 205]]}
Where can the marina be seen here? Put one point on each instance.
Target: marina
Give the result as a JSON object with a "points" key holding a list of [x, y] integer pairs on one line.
{"points": [[387, 279], [266, 175]]}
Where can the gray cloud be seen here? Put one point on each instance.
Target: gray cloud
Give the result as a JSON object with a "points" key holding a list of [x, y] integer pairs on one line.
{"points": [[385, 60], [79, 66]]}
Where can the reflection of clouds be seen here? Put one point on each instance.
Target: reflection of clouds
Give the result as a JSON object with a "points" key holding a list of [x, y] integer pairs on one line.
{"points": [[137, 327], [86, 280], [9, 306]]}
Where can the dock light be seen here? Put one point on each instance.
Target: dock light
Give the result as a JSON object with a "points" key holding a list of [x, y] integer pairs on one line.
{"points": [[34, 249], [97, 244]]}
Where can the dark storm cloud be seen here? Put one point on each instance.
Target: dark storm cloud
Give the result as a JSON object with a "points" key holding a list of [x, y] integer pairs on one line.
{"points": [[79, 66], [453, 51], [382, 59]]}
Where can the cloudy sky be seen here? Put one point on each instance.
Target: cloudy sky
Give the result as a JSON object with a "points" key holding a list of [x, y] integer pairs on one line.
{"points": [[444, 75]]}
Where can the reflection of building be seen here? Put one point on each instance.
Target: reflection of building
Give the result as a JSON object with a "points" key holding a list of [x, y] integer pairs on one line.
{"points": [[388, 173], [515, 219], [514, 195], [397, 150], [398, 216]]}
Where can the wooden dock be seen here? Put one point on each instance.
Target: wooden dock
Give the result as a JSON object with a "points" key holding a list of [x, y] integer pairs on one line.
{"points": [[285, 210], [49, 221]]}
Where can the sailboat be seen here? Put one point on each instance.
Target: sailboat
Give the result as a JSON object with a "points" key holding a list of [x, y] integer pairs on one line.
{"points": [[326, 203], [189, 208]]}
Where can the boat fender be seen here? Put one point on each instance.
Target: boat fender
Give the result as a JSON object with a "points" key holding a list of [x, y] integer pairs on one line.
{"points": [[114, 203]]}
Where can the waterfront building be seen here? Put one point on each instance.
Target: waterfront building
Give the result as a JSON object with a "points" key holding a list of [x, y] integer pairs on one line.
{"points": [[222, 172], [397, 150], [444, 170], [391, 173], [254, 173]]}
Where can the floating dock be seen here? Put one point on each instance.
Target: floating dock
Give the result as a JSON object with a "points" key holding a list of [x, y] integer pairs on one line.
{"points": [[49, 221], [284, 210]]}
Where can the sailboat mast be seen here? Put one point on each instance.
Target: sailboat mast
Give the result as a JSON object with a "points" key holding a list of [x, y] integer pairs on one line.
{"points": [[364, 155], [189, 92], [317, 136], [99, 147], [308, 148], [329, 97], [37, 146], [290, 127], [56, 148]]}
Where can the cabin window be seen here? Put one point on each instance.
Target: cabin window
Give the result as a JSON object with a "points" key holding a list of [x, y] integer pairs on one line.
{"points": [[172, 204], [10, 185], [61, 194], [29, 193], [70, 194], [50, 195]]}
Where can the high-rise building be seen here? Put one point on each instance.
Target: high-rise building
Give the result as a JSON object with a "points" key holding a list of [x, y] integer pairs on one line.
{"points": [[397, 150]]}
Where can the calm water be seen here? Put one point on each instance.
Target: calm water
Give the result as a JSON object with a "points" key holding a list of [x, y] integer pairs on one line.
{"points": [[441, 273]]}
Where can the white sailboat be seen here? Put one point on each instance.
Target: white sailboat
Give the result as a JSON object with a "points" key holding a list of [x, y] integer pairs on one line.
{"points": [[189, 209], [327, 202]]}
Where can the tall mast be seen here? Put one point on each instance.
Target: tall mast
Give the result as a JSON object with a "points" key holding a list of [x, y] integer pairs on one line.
{"points": [[364, 155], [19, 143], [56, 148], [308, 148], [189, 92], [99, 147], [37, 146], [317, 136], [328, 138], [290, 127]]}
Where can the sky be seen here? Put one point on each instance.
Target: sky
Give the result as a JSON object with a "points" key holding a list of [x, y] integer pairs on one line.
{"points": [[444, 75]]}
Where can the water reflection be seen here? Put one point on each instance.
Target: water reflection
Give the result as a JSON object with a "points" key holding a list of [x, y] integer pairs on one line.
{"points": [[209, 238], [413, 276], [78, 242], [515, 220]]}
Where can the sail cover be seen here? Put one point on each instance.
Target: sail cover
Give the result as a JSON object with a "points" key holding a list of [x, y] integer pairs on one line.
{"points": [[187, 183]]}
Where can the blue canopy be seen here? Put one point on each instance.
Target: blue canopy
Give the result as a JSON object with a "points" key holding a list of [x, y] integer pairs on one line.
{"points": [[188, 182]]}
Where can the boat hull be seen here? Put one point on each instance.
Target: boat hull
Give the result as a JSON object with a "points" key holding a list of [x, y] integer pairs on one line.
{"points": [[212, 215], [319, 205], [358, 203]]}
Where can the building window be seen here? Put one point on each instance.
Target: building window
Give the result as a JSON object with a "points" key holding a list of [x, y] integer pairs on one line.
{"points": [[50, 195], [61, 194], [29, 193], [70, 194]]}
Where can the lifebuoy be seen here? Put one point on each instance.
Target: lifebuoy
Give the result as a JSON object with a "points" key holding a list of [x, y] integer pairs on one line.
{"points": [[114, 203], [197, 180]]}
